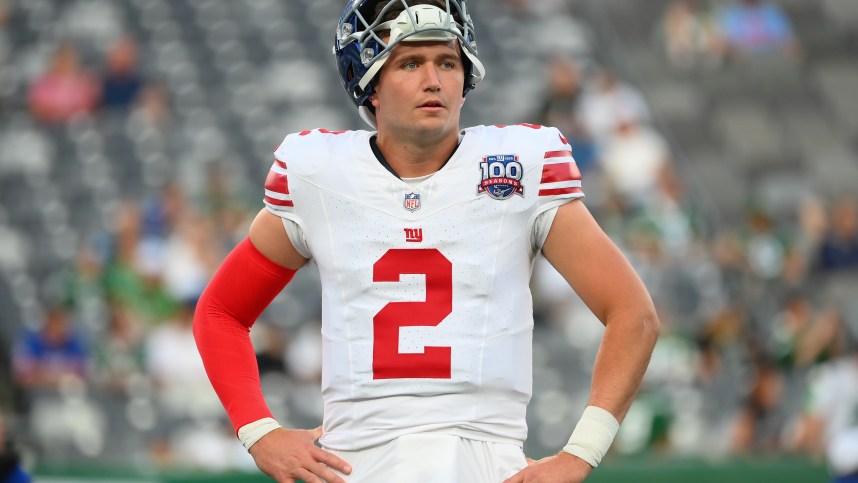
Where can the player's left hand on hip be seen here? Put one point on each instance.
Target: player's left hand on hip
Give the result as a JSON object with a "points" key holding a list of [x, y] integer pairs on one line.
{"points": [[560, 468], [290, 455]]}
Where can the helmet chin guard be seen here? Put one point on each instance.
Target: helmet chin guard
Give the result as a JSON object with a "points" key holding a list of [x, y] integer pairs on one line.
{"points": [[361, 51]]}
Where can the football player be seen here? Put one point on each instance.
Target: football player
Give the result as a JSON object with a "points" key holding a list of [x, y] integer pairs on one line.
{"points": [[425, 235]]}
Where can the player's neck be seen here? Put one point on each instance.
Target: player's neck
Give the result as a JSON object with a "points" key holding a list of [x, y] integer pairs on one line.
{"points": [[415, 159]]}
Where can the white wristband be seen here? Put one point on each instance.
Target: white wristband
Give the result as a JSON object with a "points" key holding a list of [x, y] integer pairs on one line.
{"points": [[250, 433], [593, 435]]}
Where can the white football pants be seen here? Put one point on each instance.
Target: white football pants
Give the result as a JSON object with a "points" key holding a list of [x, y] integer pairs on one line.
{"points": [[434, 458]]}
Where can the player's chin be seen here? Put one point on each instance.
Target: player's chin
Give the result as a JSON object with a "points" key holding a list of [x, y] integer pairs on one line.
{"points": [[430, 124], [432, 114], [438, 118]]}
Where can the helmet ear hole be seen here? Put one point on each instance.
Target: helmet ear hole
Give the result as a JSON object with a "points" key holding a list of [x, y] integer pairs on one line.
{"points": [[350, 73]]}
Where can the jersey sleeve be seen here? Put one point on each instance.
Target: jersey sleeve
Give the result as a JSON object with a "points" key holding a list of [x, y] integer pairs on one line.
{"points": [[561, 179], [560, 183], [278, 200]]}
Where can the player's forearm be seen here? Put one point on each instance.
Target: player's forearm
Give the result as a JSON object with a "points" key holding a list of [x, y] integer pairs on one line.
{"points": [[230, 362], [243, 286], [622, 360], [620, 364]]}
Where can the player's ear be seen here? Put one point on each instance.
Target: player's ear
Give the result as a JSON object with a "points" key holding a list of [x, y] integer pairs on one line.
{"points": [[374, 99]]}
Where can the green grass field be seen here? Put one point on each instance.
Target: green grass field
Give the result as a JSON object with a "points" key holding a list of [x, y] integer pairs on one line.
{"points": [[636, 470]]}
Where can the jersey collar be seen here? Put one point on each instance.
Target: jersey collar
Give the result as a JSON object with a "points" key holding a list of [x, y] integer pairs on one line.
{"points": [[373, 144]]}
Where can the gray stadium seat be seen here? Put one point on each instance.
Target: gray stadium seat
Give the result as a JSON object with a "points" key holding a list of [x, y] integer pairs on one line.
{"points": [[837, 81], [806, 128], [675, 102], [842, 14], [749, 132], [834, 169], [720, 188], [25, 150]]}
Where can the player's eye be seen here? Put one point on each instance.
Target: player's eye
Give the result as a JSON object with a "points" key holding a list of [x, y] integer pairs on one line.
{"points": [[409, 65]]}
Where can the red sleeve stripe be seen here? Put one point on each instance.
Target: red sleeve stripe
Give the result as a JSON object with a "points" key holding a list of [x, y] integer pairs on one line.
{"points": [[553, 173], [561, 191], [279, 164], [558, 154], [277, 182], [272, 201], [278, 199]]}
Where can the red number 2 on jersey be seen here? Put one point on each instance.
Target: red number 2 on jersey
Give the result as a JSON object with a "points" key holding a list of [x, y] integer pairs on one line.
{"points": [[434, 362]]}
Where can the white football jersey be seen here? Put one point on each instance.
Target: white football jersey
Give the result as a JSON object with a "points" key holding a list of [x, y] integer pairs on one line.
{"points": [[427, 315]]}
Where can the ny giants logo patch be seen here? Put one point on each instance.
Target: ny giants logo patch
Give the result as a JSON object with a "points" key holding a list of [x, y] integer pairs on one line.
{"points": [[413, 235], [502, 175], [412, 202]]}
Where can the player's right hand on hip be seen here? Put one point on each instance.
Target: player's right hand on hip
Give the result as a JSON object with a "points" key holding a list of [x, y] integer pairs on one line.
{"points": [[289, 455]]}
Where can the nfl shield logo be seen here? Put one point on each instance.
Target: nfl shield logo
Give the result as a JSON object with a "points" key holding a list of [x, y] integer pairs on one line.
{"points": [[412, 201]]}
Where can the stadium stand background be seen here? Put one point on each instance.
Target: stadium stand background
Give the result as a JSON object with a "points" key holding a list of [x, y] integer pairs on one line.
{"points": [[115, 209]]}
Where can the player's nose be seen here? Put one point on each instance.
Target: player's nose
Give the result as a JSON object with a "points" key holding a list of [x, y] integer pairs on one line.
{"points": [[431, 78]]}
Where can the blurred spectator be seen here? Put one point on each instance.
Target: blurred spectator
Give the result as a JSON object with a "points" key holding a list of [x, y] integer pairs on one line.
{"points": [[732, 264], [65, 90], [152, 109], [81, 286], [11, 470], [560, 104], [134, 276], [221, 201], [633, 161], [667, 209], [191, 257], [839, 247], [191, 428], [118, 354], [830, 426], [121, 81], [304, 353], [812, 227], [560, 108], [271, 352], [794, 276], [789, 327], [826, 340], [690, 34], [210, 448], [801, 336], [759, 422], [757, 27], [174, 364], [160, 213], [765, 250], [5, 47], [608, 103], [45, 356]]}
